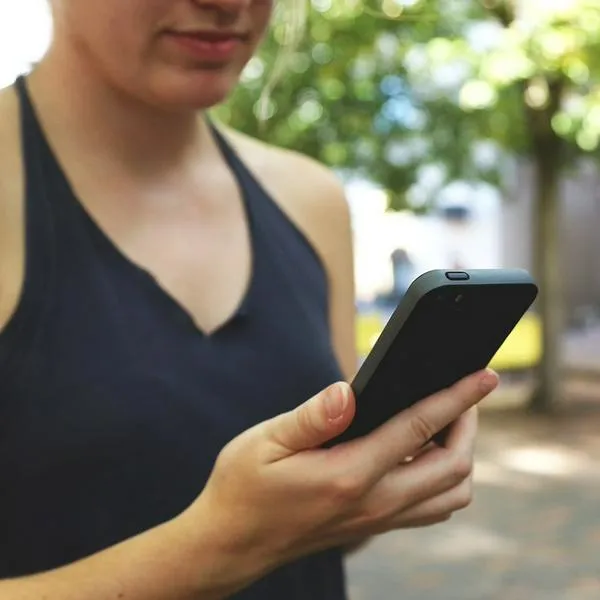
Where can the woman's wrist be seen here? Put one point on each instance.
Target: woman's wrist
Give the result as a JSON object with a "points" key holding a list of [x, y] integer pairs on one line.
{"points": [[214, 564]]}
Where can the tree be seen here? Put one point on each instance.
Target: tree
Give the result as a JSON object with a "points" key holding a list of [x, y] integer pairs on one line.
{"points": [[534, 88], [385, 92]]}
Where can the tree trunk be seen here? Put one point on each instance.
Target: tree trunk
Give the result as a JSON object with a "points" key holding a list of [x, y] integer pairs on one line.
{"points": [[547, 261], [547, 152]]}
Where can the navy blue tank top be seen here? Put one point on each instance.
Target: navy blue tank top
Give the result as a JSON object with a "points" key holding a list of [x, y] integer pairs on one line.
{"points": [[114, 406]]}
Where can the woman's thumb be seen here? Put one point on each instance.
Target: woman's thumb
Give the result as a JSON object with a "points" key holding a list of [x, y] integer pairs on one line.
{"points": [[312, 424]]}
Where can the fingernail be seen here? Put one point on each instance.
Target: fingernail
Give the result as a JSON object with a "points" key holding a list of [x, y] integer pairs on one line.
{"points": [[336, 402], [488, 381]]}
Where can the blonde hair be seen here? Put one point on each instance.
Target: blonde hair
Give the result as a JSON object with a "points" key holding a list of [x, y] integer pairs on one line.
{"points": [[291, 16]]}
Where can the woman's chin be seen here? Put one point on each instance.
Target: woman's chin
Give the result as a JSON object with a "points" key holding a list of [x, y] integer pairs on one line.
{"points": [[199, 91]]}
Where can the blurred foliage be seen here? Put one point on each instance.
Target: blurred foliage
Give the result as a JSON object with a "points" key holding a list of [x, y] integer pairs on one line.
{"points": [[413, 94]]}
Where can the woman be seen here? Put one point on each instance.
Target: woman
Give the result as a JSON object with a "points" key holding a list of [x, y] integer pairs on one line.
{"points": [[168, 290]]}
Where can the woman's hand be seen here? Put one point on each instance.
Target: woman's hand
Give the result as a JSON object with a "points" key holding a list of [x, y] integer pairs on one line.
{"points": [[275, 495]]}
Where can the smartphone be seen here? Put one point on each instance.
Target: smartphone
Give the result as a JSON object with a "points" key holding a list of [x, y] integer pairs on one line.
{"points": [[449, 324]]}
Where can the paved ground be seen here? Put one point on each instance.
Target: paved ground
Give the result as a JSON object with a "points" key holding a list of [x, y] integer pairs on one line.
{"points": [[533, 532]]}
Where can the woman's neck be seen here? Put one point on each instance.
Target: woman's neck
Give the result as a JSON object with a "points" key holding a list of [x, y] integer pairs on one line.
{"points": [[74, 98]]}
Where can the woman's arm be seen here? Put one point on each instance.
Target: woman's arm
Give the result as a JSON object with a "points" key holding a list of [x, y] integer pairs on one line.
{"points": [[332, 231], [175, 561]]}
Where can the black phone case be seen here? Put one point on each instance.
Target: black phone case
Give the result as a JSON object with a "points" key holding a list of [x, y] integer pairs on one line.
{"points": [[449, 324]]}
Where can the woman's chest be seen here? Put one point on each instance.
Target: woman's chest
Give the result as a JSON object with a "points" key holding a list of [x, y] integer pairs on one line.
{"points": [[135, 385]]}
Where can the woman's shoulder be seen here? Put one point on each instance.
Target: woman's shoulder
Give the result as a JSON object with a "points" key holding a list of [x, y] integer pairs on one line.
{"points": [[11, 202], [310, 193], [9, 134], [296, 175], [10, 151]]}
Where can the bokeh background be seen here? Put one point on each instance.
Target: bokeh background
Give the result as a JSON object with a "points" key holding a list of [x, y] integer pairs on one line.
{"points": [[467, 133]]}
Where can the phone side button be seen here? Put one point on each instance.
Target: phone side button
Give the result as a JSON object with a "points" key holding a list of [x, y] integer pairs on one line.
{"points": [[457, 276]]}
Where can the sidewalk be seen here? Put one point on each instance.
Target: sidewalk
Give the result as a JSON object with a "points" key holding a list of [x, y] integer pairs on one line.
{"points": [[533, 532]]}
